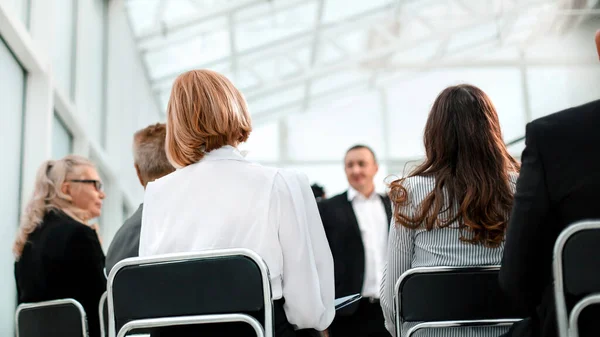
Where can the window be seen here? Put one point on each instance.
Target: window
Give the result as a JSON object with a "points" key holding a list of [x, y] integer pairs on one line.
{"points": [[63, 58], [11, 129], [62, 139], [91, 80]]}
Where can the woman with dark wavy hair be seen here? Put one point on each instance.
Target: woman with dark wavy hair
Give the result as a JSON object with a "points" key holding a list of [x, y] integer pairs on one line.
{"points": [[453, 209]]}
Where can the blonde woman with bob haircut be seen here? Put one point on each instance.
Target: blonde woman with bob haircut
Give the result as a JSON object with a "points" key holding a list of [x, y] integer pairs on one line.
{"points": [[58, 254], [217, 199]]}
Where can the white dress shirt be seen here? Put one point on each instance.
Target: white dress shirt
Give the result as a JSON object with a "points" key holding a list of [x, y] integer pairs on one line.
{"points": [[225, 201], [372, 221]]}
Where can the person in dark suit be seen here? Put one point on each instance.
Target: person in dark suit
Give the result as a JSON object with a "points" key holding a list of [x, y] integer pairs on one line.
{"points": [[151, 163], [356, 224], [58, 255], [558, 185], [318, 191]]}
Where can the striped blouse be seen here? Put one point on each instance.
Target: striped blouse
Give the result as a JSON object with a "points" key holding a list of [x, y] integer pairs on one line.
{"points": [[408, 248]]}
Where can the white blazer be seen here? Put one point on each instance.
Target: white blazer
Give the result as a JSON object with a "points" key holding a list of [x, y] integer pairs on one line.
{"points": [[225, 201]]}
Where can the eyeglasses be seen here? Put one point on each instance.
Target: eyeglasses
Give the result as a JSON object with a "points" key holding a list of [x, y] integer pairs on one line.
{"points": [[97, 183]]}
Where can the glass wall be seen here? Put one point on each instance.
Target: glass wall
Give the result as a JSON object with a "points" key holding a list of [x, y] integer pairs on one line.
{"points": [[62, 139], [91, 55], [63, 51], [11, 114], [54, 100]]}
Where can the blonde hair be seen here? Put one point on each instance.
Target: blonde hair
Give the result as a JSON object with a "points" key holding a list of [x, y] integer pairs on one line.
{"points": [[205, 112], [149, 152], [47, 196]]}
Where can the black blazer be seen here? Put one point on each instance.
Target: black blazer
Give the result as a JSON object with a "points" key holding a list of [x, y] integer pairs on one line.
{"points": [[126, 242], [559, 184], [345, 241], [63, 259]]}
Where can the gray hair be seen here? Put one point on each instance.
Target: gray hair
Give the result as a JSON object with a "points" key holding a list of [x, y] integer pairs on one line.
{"points": [[149, 152], [47, 196]]}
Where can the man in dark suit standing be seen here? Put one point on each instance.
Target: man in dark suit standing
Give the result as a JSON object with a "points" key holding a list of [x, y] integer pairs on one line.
{"points": [[151, 163], [559, 184], [356, 224]]}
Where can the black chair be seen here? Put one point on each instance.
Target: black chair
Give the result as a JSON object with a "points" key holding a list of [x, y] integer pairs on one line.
{"points": [[57, 318], [443, 297], [576, 275], [103, 315], [219, 286]]}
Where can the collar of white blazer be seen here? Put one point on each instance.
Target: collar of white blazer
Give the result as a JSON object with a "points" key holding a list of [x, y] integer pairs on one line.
{"points": [[226, 152]]}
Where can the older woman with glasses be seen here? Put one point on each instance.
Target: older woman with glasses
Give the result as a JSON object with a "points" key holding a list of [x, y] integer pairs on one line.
{"points": [[58, 254]]}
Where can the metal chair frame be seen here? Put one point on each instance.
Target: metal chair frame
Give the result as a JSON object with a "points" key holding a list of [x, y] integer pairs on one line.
{"points": [[101, 314], [69, 301], [265, 331], [567, 324], [442, 324], [188, 320]]}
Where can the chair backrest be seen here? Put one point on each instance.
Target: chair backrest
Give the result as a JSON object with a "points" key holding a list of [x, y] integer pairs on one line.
{"points": [[190, 284], [432, 294], [576, 267], [57, 318], [103, 315]]}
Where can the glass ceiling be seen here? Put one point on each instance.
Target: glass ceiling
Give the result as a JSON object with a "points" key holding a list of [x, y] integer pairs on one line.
{"points": [[291, 55]]}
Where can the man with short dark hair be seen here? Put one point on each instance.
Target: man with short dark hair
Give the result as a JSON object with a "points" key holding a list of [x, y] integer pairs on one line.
{"points": [[151, 163], [356, 224]]}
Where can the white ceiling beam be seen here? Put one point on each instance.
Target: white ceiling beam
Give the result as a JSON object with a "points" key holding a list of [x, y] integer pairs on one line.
{"points": [[267, 115], [295, 105], [165, 39], [537, 62], [255, 75], [304, 76], [397, 45], [196, 3], [335, 44], [159, 12], [351, 23], [294, 59], [183, 23]]}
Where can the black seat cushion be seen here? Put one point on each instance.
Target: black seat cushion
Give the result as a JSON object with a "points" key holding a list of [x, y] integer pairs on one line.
{"points": [[195, 287], [462, 295], [63, 320], [581, 267]]}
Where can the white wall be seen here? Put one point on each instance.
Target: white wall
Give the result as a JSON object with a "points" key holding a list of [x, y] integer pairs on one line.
{"points": [[130, 103], [11, 115], [101, 99]]}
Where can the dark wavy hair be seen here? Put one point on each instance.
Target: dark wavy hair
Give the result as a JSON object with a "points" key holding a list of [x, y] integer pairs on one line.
{"points": [[467, 157]]}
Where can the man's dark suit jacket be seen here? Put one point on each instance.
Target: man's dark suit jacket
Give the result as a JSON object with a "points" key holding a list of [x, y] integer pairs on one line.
{"points": [[345, 241], [559, 184], [126, 242], [63, 259]]}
